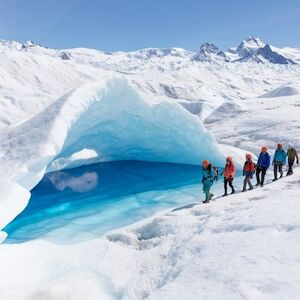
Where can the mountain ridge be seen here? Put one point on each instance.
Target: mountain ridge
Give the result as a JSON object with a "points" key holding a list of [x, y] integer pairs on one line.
{"points": [[252, 49]]}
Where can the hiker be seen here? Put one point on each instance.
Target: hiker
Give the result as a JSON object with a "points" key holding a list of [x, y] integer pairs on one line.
{"points": [[279, 161], [292, 156], [228, 173], [263, 164], [208, 175], [248, 171]]}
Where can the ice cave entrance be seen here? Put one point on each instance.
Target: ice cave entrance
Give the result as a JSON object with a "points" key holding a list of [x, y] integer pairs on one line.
{"points": [[79, 204]]}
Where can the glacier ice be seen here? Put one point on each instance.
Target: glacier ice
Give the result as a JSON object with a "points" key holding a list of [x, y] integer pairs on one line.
{"points": [[82, 203], [109, 118]]}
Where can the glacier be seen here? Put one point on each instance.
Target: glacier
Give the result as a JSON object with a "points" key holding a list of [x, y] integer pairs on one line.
{"points": [[98, 122], [67, 240]]}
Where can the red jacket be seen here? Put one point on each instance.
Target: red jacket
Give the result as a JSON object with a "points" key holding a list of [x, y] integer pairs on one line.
{"points": [[229, 170]]}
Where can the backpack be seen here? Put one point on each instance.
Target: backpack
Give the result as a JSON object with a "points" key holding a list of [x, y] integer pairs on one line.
{"points": [[216, 172], [249, 167]]}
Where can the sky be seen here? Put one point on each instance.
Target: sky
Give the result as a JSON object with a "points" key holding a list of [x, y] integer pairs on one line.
{"points": [[112, 25]]}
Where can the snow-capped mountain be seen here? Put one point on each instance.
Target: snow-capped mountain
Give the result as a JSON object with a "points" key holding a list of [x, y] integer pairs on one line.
{"points": [[254, 50], [210, 53], [268, 54], [251, 49], [32, 76], [249, 46]]}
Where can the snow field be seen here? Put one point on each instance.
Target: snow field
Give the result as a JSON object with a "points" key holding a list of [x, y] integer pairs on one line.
{"points": [[228, 248]]}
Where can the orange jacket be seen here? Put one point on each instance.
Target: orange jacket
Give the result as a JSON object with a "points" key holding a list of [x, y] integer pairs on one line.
{"points": [[229, 170]]}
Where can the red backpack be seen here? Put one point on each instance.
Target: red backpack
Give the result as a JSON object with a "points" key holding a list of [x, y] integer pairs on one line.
{"points": [[249, 166]]}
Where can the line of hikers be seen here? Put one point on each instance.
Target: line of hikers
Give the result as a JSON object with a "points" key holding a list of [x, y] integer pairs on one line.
{"points": [[210, 173]]}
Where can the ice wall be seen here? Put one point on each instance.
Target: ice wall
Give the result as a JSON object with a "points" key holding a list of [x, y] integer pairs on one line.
{"points": [[100, 121]]}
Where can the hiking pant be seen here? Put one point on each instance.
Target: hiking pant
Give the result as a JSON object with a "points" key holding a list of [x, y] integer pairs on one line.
{"points": [[290, 170], [263, 172], [278, 168], [230, 182], [247, 180], [206, 189]]}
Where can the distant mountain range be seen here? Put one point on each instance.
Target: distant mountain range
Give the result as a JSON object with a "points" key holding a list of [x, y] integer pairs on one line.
{"points": [[251, 49]]}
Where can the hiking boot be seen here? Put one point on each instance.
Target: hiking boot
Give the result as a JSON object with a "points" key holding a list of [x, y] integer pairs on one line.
{"points": [[251, 188], [258, 184], [262, 185], [211, 195], [232, 192], [274, 179], [205, 201], [224, 195]]}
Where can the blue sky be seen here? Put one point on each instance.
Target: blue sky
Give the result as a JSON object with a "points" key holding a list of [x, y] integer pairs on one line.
{"points": [[132, 24]]}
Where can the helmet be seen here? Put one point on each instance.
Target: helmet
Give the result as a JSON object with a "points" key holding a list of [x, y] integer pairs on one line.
{"points": [[264, 149], [229, 158], [248, 156], [279, 146], [205, 163]]}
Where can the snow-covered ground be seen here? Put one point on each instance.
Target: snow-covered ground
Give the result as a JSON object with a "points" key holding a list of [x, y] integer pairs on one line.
{"points": [[245, 246], [67, 108]]}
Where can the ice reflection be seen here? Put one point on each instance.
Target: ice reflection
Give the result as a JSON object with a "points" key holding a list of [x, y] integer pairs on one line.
{"points": [[79, 184]]}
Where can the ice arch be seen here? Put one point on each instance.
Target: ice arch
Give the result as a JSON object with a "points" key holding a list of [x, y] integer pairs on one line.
{"points": [[109, 118], [117, 123]]}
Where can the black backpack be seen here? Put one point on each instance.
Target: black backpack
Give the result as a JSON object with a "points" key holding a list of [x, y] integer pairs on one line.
{"points": [[216, 171]]}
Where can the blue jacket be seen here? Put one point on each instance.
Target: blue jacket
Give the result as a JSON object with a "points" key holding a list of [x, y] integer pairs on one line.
{"points": [[280, 156], [264, 160], [208, 175]]}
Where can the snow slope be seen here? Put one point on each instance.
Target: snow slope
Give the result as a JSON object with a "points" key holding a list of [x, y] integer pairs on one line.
{"points": [[34, 76], [245, 246], [281, 92], [271, 118]]}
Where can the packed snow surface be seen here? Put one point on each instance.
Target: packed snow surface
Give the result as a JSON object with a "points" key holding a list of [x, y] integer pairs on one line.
{"points": [[245, 246]]}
